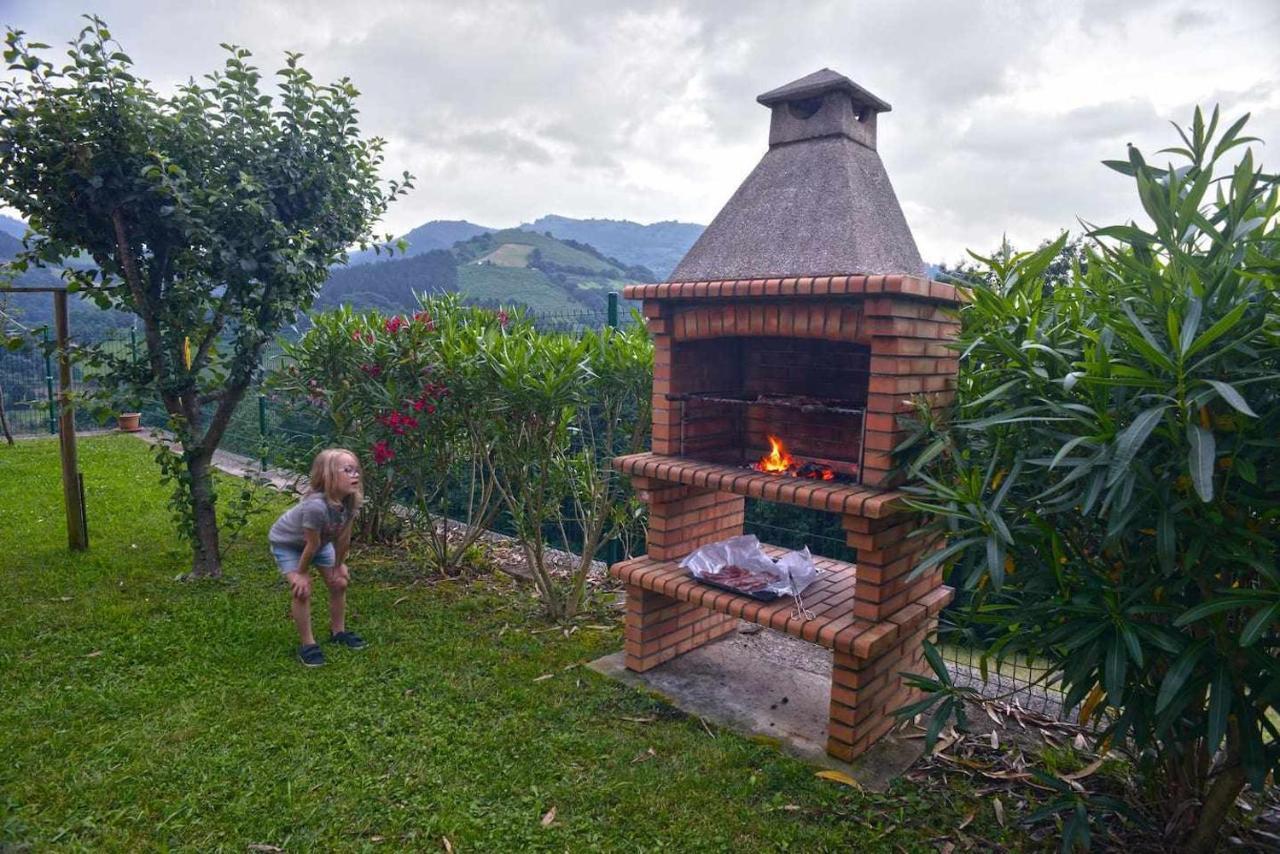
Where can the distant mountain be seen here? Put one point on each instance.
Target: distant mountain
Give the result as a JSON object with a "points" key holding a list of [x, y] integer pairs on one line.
{"points": [[12, 227], [659, 246], [390, 285], [437, 234], [512, 266]]}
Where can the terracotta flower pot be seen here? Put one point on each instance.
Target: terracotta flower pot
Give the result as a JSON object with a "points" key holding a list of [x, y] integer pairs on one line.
{"points": [[128, 422]]}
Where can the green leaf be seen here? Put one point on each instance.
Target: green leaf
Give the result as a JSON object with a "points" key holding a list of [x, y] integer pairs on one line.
{"points": [[1200, 460], [1218, 329], [1130, 441], [1233, 397], [1219, 708], [1190, 324], [1114, 672], [1259, 624], [1179, 672]]}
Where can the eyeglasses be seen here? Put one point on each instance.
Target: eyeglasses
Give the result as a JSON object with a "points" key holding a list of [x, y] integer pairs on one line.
{"points": [[350, 470]]}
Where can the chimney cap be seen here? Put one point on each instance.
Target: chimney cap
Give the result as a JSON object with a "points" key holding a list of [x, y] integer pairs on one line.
{"points": [[819, 83]]}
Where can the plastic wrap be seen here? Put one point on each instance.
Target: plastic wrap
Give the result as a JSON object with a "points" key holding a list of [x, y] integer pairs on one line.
{"points": [[740, 565]]}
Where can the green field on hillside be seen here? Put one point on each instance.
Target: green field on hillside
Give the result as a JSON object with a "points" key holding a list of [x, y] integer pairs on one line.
{"points": [[509, 285]]}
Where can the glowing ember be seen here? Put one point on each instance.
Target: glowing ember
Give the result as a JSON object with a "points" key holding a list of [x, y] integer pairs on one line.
{"points": [[779, 462]]}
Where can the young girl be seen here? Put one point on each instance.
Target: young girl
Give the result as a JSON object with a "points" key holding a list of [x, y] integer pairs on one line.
{"points": [[317, 531]]}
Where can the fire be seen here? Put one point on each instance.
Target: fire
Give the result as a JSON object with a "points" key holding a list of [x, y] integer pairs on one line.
{"points": [[778, 461]]}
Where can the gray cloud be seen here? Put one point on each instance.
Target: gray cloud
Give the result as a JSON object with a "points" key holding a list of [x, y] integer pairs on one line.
{"points": [[645, 110]]}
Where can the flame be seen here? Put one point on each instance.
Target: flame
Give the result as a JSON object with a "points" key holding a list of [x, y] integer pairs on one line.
{"points": [[777, 460]]}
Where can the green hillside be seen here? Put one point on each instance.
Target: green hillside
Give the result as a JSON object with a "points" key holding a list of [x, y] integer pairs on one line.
{"points": [[548, 275]]}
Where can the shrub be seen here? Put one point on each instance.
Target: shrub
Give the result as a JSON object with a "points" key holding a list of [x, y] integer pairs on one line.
{"points": [[1106, 483]]}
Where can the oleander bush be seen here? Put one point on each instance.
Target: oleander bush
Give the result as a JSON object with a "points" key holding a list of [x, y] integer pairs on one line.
{"points": [[465, 413], [1107, 481]]}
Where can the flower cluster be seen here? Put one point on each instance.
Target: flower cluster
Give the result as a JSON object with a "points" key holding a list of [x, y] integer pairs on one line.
{"points": [[366, 337], [394, 324], [372, 370], [398, 422], [382, 453], [503, 319], [425, 319]]}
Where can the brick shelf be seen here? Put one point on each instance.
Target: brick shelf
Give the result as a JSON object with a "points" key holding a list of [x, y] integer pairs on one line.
{"points": [[843, 498], [829, 599]]}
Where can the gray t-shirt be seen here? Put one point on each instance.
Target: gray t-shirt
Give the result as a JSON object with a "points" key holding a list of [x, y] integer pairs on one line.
{"points": [[315, 512]]}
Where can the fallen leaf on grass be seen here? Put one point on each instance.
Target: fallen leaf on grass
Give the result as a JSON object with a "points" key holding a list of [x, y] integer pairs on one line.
{"points": [[644, 757], [262, 846], [544, 676], [600, 628], [839, 777], [1086, 770], [549, 817], [94, 654], [377, 838], [448, 846], [647, 720], [999, 808], [995, 740], [398, 601], [967, 820]]}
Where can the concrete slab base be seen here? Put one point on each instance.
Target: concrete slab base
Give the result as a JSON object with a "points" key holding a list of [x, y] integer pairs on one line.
{"points": [[766, 685]]}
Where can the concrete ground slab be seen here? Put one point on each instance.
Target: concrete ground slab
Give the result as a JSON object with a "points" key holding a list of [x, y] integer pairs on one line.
{"points": [[769, 685]]}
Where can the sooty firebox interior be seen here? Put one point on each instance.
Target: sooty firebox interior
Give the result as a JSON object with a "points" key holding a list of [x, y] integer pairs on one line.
{"points": [[734, 393]]}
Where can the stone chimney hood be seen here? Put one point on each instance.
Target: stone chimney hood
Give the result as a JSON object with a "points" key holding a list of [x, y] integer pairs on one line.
{"points": [[819, 203]]}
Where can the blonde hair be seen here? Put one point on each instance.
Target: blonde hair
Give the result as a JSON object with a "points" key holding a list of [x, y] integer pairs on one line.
{"points": [[325, 470]]}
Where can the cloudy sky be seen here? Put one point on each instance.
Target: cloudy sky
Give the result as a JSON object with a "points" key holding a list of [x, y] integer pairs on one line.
{"points": [[646, 111]]}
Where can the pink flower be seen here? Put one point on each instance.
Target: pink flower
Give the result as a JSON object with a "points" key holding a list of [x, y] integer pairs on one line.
{"points": [[394, 324], [356, 336], [382, 453], [372, 370], [419, 403], [503, 319], [425, 319]]}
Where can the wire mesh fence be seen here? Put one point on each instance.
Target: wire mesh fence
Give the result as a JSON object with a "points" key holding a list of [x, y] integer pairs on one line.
{"points": [[263, 429]]}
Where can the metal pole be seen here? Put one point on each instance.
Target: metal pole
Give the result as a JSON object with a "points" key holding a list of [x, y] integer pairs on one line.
{"points": [[133, 344], [262, 427], [613, 310], [71, 490], [48, 381]]}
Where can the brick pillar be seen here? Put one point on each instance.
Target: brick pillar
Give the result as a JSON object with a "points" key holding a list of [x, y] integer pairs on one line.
{"points": [[886, 557], [909, 358], [866, 691], [682, 518], [659, 628]]}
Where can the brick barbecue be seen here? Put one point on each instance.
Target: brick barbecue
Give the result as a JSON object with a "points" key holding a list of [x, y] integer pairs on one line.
{"points": [[801, 313]]}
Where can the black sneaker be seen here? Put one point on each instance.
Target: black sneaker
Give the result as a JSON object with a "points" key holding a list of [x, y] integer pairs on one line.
{"points": [[311, 655], [350, 640]]}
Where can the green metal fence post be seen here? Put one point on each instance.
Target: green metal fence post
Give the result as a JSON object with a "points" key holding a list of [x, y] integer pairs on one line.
{"points": [[613, 310], [48, 381], [133, 345], [262, 427]]}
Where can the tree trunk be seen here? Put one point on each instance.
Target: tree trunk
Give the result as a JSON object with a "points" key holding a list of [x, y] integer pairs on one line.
{"points": [[206, 561], [1222, 795], [4, 420]]}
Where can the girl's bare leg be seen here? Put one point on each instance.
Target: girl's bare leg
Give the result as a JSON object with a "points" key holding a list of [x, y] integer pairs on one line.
{"points": [[336, 580]]}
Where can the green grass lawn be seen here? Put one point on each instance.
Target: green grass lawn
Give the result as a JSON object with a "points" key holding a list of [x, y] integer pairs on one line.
{"points": [[141, 713]]}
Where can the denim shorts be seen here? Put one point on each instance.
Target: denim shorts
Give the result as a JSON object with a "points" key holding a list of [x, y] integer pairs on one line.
{"points": [[287, 557]]}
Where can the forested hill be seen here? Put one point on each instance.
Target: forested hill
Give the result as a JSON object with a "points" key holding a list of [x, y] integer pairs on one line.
{"points": [[428, 237], [547, 275], [659, 246]]}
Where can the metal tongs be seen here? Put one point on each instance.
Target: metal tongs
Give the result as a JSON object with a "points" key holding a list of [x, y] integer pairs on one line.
{"points": [[798, 610]]}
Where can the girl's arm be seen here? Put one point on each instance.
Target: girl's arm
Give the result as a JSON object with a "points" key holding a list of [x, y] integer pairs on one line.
{"points": [[343, 543], [311, 545]]}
